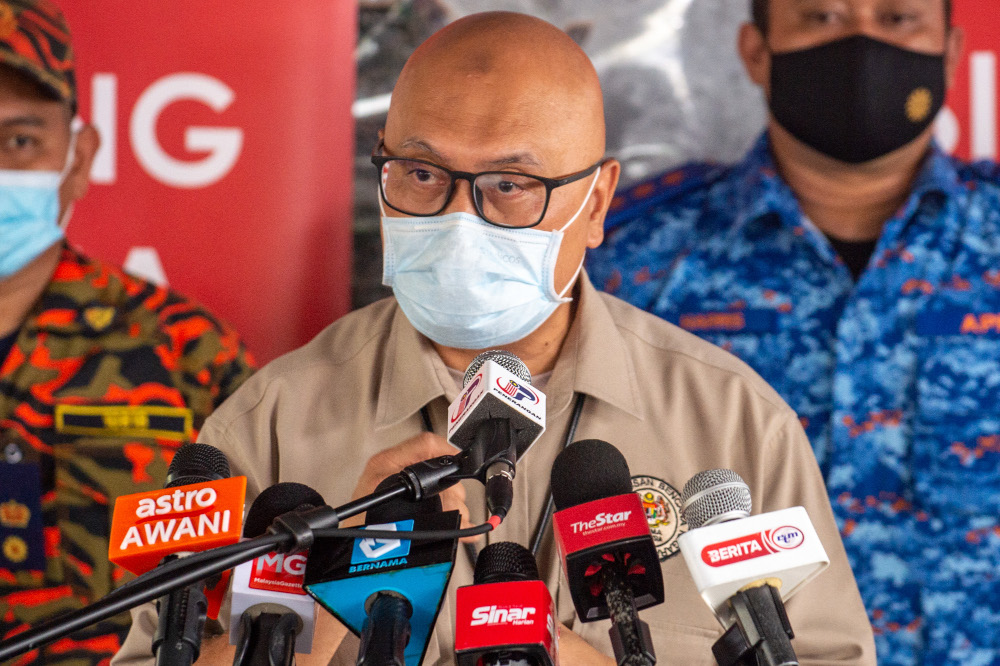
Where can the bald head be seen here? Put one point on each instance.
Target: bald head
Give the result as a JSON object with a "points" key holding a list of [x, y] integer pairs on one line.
{"points": [[498, 79], [509, 92]]}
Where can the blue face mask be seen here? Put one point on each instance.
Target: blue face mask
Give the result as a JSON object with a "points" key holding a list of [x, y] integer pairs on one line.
{"points": [[468, 284], [29, 214]]}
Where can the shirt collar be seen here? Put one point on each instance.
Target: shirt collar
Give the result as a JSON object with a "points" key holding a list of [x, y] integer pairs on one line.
{"points": [[939, 173], [592, 360], [759, 190], [413, 374]]}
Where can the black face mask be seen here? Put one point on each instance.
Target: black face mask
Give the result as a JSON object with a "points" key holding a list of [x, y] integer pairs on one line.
{"points": [[857, 98]]}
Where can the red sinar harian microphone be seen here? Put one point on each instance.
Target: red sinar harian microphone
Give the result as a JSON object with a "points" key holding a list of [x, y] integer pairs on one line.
{"points": [[507, 615], [604, 540]]}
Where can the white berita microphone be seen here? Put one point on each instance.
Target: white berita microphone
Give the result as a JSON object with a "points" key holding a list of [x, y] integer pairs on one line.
{"points": [[727, 550], [497, 386]]}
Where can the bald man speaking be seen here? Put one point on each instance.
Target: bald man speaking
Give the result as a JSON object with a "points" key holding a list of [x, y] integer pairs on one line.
{"points": [[493, 183]]}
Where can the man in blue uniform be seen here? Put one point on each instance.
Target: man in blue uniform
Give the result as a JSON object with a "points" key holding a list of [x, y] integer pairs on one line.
{"points": [[857, 268]]}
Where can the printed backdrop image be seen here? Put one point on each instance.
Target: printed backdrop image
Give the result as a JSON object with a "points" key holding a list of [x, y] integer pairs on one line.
{"points": [[229, 144], [968, 125], [226, 163], [674, 87]]}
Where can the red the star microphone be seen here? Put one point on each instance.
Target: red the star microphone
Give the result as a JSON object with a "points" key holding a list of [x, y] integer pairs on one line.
{"points": [[507, 616], [745, 567], [608, 552], [498, 411], [271, 616], [200, 508]]}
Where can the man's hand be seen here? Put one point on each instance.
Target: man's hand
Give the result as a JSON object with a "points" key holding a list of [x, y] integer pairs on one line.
{"points": [[391, 461], [574, 650]]}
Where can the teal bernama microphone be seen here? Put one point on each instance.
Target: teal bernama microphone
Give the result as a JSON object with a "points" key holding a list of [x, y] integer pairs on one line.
{"points": [[387, 591]]}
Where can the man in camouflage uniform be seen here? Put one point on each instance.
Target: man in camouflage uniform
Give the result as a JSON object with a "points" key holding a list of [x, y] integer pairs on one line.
{"points": [[857, 268], [102, 375]]}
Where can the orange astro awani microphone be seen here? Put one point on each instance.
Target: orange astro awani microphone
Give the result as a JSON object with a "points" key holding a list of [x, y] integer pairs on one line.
{"points": [[146, 527]]}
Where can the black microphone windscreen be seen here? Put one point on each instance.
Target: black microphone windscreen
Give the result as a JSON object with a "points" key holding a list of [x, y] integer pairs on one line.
{"points": [[275, 501], [399, 507], [505, 561], [197, 463], [588, 470]]}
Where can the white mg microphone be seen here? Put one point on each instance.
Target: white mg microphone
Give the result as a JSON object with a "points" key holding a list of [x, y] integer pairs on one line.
{"points": [[271, 616], [745, 566]]}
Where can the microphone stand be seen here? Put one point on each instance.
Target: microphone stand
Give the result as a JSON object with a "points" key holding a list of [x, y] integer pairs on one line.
{"points": [[761, 635], [182, 613], [630, 637], [386, 631], [267, 636]]}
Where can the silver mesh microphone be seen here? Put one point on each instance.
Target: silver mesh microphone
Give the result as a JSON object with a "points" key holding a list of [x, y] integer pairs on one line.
{"points": [[715, 496], [504, 359]]}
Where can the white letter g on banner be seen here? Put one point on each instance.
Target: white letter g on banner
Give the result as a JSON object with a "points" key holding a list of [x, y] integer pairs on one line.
{"points": [[222, 143]]}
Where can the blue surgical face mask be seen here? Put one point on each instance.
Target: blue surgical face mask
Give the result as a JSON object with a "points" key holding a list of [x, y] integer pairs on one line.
{"points": [[29, 214], [468, 284]]}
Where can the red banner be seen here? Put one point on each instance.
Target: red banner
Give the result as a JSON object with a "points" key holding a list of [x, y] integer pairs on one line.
{"points": [[968, 126], [227, 156]]}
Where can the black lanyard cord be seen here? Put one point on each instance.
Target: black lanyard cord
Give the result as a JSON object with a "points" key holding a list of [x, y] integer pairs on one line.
{"points": [[550, 505]]}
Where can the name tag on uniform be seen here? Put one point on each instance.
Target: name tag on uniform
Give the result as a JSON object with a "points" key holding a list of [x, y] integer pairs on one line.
{"points": [[959, 322], [735, 321], [22, 544], [175, 423]]}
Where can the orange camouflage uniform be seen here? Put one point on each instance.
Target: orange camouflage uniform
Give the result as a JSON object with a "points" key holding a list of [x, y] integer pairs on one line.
{"points": [[108, 376]]}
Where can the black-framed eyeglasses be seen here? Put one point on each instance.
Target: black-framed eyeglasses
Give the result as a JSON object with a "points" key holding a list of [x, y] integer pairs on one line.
{"points": [[503, 198]]}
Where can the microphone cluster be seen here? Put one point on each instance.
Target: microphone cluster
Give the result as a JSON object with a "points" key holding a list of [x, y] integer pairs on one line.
{"points": [[386, 581]]}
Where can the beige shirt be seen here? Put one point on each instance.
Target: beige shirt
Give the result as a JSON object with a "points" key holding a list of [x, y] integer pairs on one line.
{"points": [[673, 404]]}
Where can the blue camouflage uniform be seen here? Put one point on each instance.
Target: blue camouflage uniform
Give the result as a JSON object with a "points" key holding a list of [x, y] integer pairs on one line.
{"points": [[896, 378]]}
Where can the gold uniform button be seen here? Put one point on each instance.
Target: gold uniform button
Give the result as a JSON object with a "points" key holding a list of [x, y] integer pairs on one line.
{"points": [[15, 549]]}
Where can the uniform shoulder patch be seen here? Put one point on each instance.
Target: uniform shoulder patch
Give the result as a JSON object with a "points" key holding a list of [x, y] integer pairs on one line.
{"points": [[15, 549], [662, 504], [99, 318]]}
